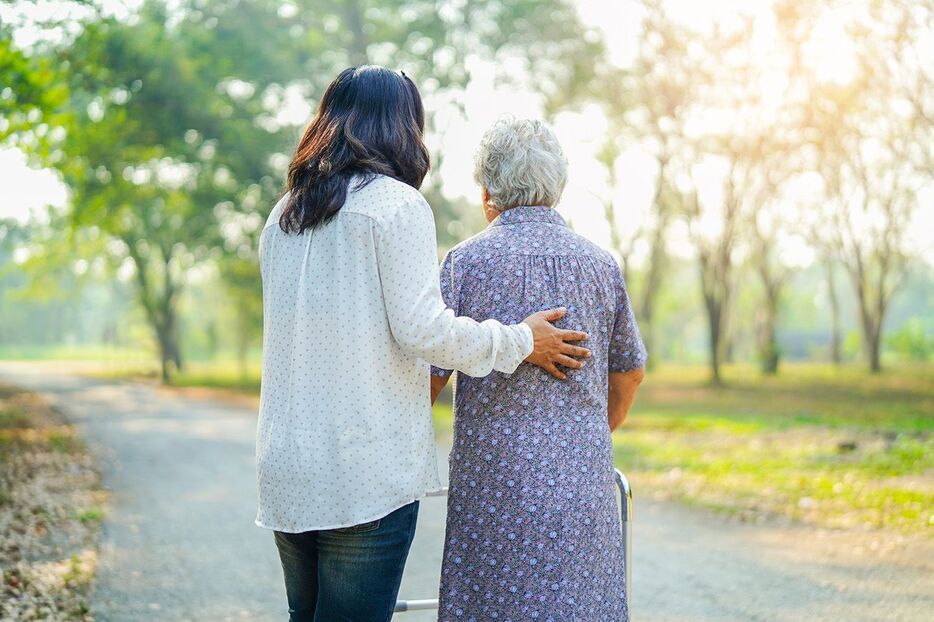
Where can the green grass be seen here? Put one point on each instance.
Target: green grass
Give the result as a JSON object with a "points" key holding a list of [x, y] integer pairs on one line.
{"points": [[63, 440], [834, 447], [444, 417], [13, 417], [223, 375], [26, 423], [101, 353], [91, 515], [901, 398]]}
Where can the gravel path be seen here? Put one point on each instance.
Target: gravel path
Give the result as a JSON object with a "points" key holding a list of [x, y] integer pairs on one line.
{"points": [[179, 541]]}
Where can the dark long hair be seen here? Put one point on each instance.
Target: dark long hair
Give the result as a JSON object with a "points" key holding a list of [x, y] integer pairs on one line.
{"points": [[370, 122]]}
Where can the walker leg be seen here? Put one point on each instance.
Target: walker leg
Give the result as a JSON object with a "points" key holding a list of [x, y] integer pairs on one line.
{"points": [[415, 605], [625, 505]]}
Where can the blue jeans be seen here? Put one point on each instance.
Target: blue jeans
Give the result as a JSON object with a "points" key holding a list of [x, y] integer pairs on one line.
{"points": [[350, 574]]}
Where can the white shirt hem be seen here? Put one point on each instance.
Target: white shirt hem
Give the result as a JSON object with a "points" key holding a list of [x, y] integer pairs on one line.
{"points": [[382, 514]]}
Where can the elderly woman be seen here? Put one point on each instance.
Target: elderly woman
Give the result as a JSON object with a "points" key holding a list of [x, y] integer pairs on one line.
{"points": [[532, 527]]}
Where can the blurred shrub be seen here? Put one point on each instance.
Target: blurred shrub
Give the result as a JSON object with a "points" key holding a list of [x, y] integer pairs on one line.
{"points": [[911, 341]]}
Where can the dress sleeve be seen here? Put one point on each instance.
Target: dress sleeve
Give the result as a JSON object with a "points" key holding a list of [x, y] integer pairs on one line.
{"points": [[421, 323], [627, 351], [451, 297]]}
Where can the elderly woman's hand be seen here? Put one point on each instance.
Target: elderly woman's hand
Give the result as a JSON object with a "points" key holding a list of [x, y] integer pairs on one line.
{"points": [[551, 344]]}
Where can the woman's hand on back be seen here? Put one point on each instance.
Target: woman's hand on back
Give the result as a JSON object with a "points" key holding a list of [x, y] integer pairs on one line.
{"points": [[551, 344]]}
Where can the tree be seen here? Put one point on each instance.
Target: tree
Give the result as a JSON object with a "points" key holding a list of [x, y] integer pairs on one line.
{"points": [[773, 275], [153, 145], [432, 45], [771, 224], [719, 167], [436, 44], [175, 126], [873, 140], [32, 90], [623, 241], [714, 232], [240, 277], [647, 105], [836, 338]]}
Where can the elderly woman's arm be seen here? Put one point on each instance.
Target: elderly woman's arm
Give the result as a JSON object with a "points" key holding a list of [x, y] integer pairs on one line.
{"points": [[622, 392], [437, 385]]}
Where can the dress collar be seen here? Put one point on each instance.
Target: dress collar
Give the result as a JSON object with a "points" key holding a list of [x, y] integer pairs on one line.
{"points": [[536, 213]]}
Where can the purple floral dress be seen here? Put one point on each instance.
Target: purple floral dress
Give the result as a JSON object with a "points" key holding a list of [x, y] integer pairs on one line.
{"points": [[532, 526]]}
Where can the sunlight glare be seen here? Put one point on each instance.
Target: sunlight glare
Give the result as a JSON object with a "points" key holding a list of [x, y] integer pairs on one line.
{"points": [[831, 52]]}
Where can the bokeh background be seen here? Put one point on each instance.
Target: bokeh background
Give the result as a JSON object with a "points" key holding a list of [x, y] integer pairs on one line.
{"points": [[763, 170]]}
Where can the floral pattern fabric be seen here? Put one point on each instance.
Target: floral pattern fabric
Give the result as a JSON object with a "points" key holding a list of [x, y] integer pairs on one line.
{"points": [[533, 529]]}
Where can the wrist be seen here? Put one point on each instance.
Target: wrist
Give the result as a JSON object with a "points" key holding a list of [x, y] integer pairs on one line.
{"points": [[528, 340]]}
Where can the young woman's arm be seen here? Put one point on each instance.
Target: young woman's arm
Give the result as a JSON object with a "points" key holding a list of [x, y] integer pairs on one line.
{"points": [[422, 324]]}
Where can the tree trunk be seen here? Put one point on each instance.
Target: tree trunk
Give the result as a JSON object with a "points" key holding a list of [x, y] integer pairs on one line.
{"points": [[169, 353], [873, 339], [768, 343], [872, 333], [164, 360], [168, 315], [713, 322], [166, 329], [768, 333], [728, 349], [160, 309], [175, 352], [835, 339], [871, 317], [652, 283], [657, 257], [713, 305], [875, 364]]}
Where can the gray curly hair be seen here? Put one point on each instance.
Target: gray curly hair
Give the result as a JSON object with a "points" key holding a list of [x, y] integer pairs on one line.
{"points": [[520, 162]]}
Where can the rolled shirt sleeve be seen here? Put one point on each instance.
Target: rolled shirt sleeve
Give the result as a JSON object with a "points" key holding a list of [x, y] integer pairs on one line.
{"points": [[420, 321], [451, 297]]}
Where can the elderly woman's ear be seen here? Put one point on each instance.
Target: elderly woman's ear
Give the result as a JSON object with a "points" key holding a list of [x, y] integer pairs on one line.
{"points": [[488, 210]]}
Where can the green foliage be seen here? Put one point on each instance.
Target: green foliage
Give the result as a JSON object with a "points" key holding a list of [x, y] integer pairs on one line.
{"points": [[166, 125], [911, 341], [242, 282], [154, 144], [32, 91], [852, 344]]}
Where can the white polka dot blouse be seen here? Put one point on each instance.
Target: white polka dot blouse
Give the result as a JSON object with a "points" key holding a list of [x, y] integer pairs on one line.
{"points": [[353, 316]]}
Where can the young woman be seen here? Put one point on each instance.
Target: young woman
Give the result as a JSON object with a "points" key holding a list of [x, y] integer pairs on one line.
{"points": [[353, 314]]}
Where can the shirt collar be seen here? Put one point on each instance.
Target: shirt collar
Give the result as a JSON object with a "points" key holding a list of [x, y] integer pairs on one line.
{"points": [[536, 213]]}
